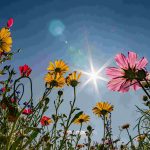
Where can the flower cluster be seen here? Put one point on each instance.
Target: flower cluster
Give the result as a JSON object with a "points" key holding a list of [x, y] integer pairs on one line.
{"points": [[25, 125]]}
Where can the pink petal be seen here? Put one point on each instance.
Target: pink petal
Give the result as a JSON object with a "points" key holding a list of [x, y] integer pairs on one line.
{"points": [[114, 72], [10, 22], [115, 84], [132, 58], [125, 87], [141, 63], [121, 60], [135, 85]]}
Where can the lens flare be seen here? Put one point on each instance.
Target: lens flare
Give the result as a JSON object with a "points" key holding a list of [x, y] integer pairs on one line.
{"points": [[56, 27]]}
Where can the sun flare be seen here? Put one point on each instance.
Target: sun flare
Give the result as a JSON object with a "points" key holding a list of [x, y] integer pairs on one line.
{"points": [[94, 75]]}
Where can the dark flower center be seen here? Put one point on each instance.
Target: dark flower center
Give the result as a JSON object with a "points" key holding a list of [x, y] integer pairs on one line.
{"points": [[57, 70], [54, 83], [104, 112], [81, 120], [74, 83], [130, 74]]}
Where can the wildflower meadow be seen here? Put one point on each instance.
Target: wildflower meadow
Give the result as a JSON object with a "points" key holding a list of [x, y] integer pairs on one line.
{"points": [[24, 125]]}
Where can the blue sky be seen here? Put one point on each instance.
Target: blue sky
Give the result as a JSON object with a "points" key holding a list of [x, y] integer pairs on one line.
{"points": [[56, 29]]}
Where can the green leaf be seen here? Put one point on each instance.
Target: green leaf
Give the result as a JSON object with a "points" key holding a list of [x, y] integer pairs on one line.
{"points": [[76, 116], [32, 136], [16, 143]]}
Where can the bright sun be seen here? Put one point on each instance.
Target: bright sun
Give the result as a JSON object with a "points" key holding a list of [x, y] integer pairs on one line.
{"points": [[94, 76]]}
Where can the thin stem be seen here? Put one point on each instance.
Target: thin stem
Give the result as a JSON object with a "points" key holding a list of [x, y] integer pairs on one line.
{"points": [[130, 137], [104, 119], [78, 137], [144, 89], [68, 120]]}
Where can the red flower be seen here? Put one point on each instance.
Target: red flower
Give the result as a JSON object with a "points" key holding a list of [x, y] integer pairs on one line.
{"points": [[45, 121], [27, 111], [3, 89], [10, 22], [25, 70]]}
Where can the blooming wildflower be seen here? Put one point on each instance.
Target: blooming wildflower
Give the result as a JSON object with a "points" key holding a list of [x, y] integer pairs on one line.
{"points": [[127, 73], [80, 146], [82, 118], [27, 111], [125, 126], [102, 108], [25, 70], [82, 133], [141, 137], [5, 40], [3, 89], [58, 67], [69, 132], [72, 79], [54, 80], [10, 22], [45, 121]]}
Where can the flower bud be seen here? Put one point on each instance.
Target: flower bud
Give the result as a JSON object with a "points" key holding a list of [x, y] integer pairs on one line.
{"points": [[145, 98]]}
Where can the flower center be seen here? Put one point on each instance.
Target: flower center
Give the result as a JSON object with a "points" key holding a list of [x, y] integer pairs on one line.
{"points": [[54, 83], [74, 83], [104, 112], [57, 70], [81, 120], [130, 74]]}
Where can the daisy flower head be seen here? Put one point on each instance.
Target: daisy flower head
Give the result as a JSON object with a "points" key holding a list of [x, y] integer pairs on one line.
{"points": [[82, 118], [73, 79], [102, 108], [5, 40], [59, 66]]}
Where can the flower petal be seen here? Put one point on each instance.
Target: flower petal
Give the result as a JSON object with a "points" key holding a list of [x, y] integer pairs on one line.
{"points": [[141, 63], [121, 60], [115, 84], [132, 58], [114, 72]]}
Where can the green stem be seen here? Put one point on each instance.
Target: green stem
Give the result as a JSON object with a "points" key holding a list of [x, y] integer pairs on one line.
{"points": [[130, 137], [78, 137], [143, 89], [104, 119], [13, 127], [68, 121]]}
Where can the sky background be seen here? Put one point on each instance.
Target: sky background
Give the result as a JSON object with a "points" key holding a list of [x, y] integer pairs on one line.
{"points": [[75, 30]]}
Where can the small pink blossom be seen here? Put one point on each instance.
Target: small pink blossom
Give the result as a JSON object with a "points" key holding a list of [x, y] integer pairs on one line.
{"points": [[10, 22], [27, 111]]}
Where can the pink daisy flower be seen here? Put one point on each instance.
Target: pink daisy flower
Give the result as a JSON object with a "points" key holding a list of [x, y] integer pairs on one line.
{"points": [[124, 77]]}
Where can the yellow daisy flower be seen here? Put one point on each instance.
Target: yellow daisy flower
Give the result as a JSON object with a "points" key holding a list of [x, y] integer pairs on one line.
{"points": [[73, 78], [82, 118], [58, 67], [5, 40], [54, 80], [102, 108]]}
